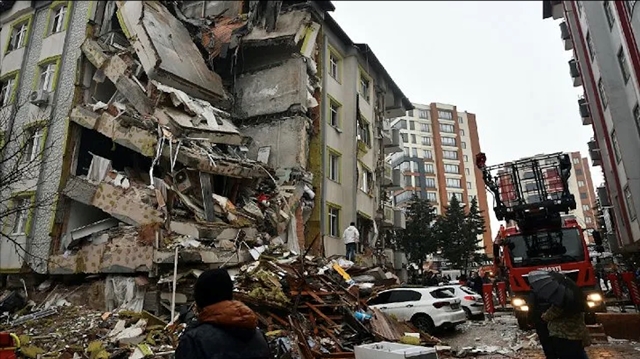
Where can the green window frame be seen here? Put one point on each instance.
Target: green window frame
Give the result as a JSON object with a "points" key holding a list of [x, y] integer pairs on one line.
{"points": [[335, 113], [334, 174], [23, 38], [22, 217], [57, 10], [34, 140], [333, 219], [13, 76], [52, 67]]}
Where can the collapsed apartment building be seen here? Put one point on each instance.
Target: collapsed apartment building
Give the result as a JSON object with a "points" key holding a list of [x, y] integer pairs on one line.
{"points": [[197, 131]]}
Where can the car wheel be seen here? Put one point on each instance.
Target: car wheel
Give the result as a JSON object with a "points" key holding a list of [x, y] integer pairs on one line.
{"points": [[467, 311], [423, 322]]}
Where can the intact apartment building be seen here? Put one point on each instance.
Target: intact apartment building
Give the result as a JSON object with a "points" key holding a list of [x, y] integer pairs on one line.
{"points": [[316, 113], [437, 161], [606, 65]]}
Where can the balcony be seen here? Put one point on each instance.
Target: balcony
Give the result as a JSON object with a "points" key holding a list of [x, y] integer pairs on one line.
{"points": [[585, 113], [557, 11], [389, 216], [399, 159], [594, 153], [392, 178], [392, 141], [575, 73], [399, 219], [603, 196], [565, 34]]}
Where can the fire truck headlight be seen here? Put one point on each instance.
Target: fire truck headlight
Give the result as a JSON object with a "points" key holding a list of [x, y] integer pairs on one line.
{"points": [[524, 308], [591, 304], [594, 297], [518, 302]]}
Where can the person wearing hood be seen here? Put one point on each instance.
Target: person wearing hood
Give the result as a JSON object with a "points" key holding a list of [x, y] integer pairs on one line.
{"points": [[225, 328]]}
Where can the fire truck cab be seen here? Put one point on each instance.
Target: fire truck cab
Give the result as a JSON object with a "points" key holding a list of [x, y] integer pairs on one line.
{"points": [[532, 196]]}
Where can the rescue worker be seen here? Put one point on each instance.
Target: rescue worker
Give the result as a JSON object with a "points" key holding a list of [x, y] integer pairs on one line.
{"points": [[351, 237]]}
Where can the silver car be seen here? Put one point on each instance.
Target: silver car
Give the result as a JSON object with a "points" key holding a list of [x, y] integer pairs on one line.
{"points": [[470, 301]]}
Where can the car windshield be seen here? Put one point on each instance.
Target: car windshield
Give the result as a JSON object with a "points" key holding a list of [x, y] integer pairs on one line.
{"points": [[562, 246]]}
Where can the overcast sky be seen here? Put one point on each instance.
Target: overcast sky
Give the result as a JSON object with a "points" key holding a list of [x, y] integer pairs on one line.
{"points": [[499, 60]]}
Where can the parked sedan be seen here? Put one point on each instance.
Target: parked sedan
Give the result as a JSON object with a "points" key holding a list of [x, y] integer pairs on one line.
{"points": [[427, 308], [470, 301]]}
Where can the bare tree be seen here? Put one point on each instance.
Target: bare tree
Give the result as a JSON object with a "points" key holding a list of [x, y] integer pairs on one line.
{"points": [[25, 148]]}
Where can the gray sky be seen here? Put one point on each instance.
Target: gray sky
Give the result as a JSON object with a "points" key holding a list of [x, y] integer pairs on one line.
{"points": [[499, 60]]}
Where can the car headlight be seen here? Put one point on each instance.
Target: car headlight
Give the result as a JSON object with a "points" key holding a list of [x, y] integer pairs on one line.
{"points": [[517, 302], [594, 297]]}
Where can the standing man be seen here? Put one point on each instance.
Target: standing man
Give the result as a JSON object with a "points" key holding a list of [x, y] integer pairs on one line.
{"points": [[351, 237]]}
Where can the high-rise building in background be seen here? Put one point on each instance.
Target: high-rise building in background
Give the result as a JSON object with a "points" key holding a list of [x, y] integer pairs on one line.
{"points": [[440, 143], [606, 64]]}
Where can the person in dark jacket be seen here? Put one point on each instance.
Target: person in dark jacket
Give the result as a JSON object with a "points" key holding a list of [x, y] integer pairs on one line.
{"points": [[225, 328], [536, 308]]}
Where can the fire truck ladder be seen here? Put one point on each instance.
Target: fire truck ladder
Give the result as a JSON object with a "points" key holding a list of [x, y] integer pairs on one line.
{"points": [[532, 192]]}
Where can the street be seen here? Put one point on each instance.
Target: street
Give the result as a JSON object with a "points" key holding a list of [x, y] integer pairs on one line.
{"points": [[501, 338]]}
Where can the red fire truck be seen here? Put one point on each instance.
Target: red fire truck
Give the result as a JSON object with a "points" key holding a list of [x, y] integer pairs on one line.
{"points": [[532, 196]]}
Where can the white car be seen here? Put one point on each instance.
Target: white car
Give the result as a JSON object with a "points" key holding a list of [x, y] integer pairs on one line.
{"points": [[471, 302], [426, 308]]}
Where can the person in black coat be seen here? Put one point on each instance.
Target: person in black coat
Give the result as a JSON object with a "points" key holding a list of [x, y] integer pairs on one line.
{"points": [[536, 308], [226, 329]]}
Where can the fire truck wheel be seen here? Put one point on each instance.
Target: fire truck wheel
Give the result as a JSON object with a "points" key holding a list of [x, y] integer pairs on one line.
{"points": [[523, 322], [590, 318], [423, 322]]}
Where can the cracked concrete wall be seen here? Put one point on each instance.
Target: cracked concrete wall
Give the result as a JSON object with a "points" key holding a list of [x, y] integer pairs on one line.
{"points": [[39, 245], [288, 139], [272, 91]]}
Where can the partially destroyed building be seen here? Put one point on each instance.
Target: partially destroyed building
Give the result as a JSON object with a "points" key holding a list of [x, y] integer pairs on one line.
{"points": [[192, 130]]}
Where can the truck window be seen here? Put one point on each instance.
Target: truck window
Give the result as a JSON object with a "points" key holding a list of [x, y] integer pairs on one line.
{"points": [[546, 247]]}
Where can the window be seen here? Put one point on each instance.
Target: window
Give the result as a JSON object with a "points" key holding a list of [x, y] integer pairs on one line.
{"points": [[408, 181], [47, 75], [334, 66], [453, 183], [19, 34], [609, 14], [463, 145], [410, 113], [445, 115], [630, 205], [587, 220], [412, 126], [423, 114], [451, 168], [460, 119], [426, 141], [457, 195], [427, 154], [630, 5], [590, 46], [636, 117], [603, 94], [580, 183], [425, 127], [58, 19], [578, 172], [583, 195], [430, 182], [471, 198], [616, 146], [405, 137], [334, 166], [365, 87], [364, 134], [450, 155], [334, 116], [447, 128], [21, 208], [413, 139], [334, 221], [6, 91], [468, 185], [466, 158], [585, 207], [432, 196], [366, 184], [466, 170], [576, 161], [579, 3], [428, 168], [414, 152], [32, 147], [401, 125], [448, 141], [461, 132], [624, 65]]}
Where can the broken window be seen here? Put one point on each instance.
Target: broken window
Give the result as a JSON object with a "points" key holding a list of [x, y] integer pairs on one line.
{"points": [[32, 147], [47, 76], [364, 133], [21, 207], [365, 87], [334, 69], [18, 36], [334, 221], [366, 181], [6, 91], [334, 119], [334, 167], [58, 19]]}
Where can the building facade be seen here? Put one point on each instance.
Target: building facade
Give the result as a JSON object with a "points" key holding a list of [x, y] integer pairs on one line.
{"points": [[80, 85], [606, 64], [437, 161]]}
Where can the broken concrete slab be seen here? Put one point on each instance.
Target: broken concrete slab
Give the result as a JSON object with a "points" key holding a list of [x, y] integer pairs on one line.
{"points": [[119, 203], [207, 256], [292, 153], [118, 256], [167, 52], [290, 28], [275, 90]]}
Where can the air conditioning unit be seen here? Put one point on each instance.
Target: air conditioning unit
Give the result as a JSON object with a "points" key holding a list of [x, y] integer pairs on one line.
{"points": [[39, 97]]}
